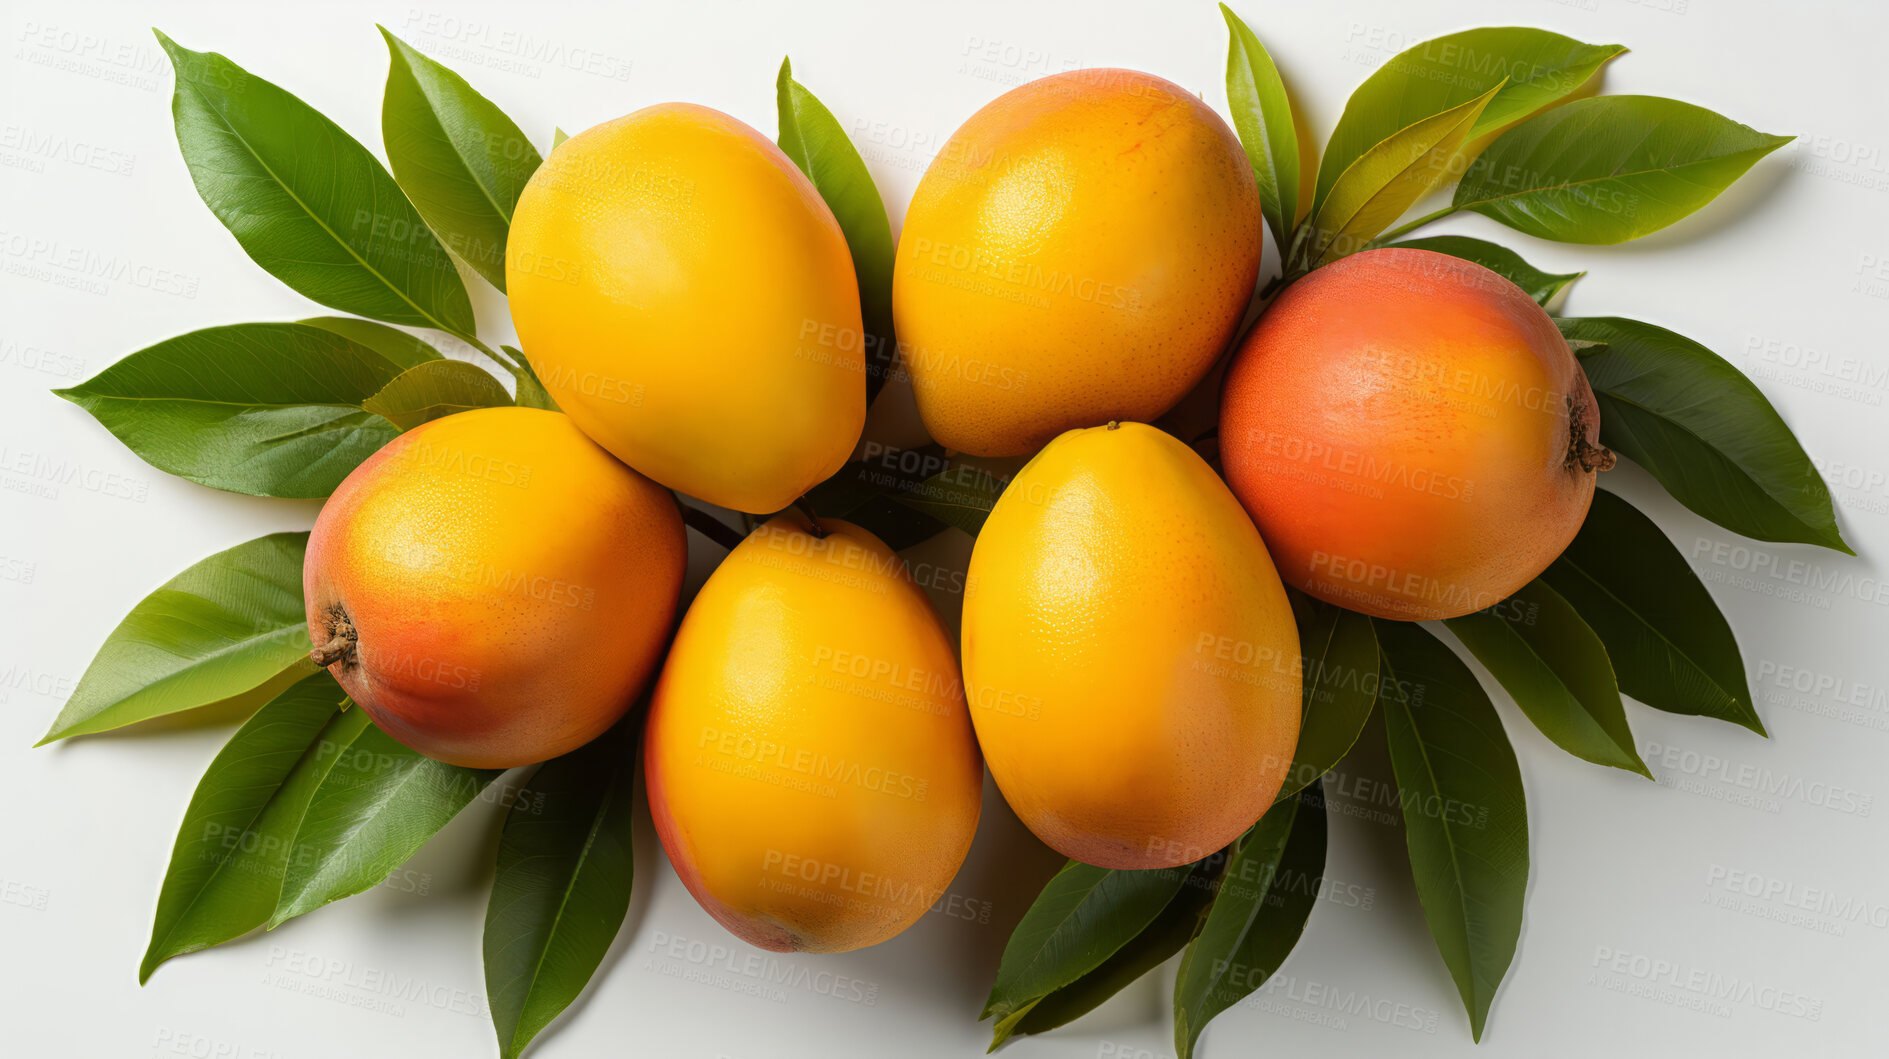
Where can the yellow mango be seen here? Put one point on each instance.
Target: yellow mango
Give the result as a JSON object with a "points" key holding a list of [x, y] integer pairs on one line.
{"points": [[1081, 250], [1130, 656], [811, 768], [685, 295]]}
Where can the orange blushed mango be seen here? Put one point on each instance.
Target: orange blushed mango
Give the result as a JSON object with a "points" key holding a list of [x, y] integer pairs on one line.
{"points": [[1411, 434]]}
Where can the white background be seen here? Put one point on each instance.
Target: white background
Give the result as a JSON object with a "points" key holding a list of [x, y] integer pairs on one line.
{"points": [[1779, 276]]}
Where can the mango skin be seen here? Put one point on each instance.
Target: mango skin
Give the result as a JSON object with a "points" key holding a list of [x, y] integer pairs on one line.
{"points": [[1130, 656], [685, 295], [1080, 251], [812, 772], [512, 586], [1399, 425]]}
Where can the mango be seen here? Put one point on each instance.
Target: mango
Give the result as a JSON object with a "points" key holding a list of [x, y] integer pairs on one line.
{"points": [[493, 588], [1081, 250], [685, 295], [811, 767], [1412, 435], [1130, 656]]}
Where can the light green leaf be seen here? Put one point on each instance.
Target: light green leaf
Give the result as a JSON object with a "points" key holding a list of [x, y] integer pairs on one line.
{"points": [[263, 409], [1385, 180], [457, 156], [228, 628], [1533, 68], [1609, 169], [1670, 645], [1704, 430], [437, 388], [1263, 115], [1557, 670], [1465, 820], [306, 201]]}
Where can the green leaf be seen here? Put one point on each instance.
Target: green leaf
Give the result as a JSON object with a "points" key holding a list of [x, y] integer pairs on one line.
{"points": [[233, 847], [813, 138], [1704, 430], [531, 392], [263, 409], [1263, 115], [558, 136], [1339, 685], [1465, 819], [1082, 917], [1541, 286], [1532, 68], [306, 201], [1609, 169], [230, 628], [1557, 670], [437, 388], [1670, 646], [563, 886], [1265, 898], [400, 349], [458, 157], [1385, 180], [1156, 944], [376, 805], [961, 496]]}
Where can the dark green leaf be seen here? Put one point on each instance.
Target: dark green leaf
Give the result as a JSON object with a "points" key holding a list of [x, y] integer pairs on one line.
{"points": [[1464, 814], [862, 492], [458, 157], [1155, 945], [377, 804], [563, 886], [434, 389], [1557, 670], [1541, 286], [306, 201], [229, 629], [531, 392], [1704, 430], [1265, 898], [1541, 68], [813, 138], [961, 496], [1386, 179], [263, 409], [233, 847], [1082, 917], [1263, 115], [401, 349], [1339, 685], [1670, 646], [1609, 169]]}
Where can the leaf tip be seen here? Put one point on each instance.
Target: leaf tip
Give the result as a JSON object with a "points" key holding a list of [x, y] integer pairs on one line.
{"points": [[786, 76]]}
